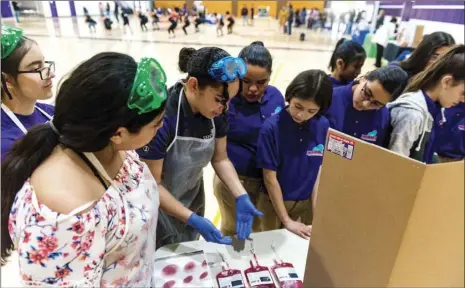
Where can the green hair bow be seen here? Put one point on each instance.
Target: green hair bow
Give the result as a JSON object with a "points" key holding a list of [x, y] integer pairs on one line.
{"points": [[10, 39]]}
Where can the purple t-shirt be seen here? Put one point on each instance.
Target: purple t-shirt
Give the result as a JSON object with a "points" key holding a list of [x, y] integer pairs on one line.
{"points": [[11, 132]]}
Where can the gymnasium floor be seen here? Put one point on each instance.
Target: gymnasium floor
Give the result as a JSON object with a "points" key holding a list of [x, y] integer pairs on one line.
{"points": [[68, 42]]}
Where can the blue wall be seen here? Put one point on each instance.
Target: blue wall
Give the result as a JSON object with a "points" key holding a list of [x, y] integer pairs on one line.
{"points": [[6, 9]]}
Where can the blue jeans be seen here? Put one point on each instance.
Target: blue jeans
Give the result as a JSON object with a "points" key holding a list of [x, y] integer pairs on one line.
{"points": [[289, 27], [17, 16]]}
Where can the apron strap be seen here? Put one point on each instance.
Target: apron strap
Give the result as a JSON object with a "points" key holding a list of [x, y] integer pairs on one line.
{"points": [[15, 119], [177, 120]]}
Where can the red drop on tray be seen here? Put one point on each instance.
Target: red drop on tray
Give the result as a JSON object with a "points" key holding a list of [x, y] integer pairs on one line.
{"points": [[204, 264], [203, 275], [190, 266], [170, 270], [169, 284], [188, 279]]}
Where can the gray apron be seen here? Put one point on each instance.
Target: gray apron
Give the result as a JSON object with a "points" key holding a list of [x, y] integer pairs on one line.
{"points": [[183, 176]]}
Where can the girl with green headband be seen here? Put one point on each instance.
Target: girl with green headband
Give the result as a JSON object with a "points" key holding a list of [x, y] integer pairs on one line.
{"points": [[26, 77], [77, 203]]}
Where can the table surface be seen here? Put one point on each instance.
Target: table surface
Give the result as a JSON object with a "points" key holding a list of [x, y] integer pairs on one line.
{"points": [[289, 248]]}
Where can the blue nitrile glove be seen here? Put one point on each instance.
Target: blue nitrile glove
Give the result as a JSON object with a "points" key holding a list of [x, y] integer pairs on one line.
{"points": [[245, 212], [207, 230]]}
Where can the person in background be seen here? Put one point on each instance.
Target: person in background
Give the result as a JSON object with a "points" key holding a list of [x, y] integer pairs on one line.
{"points": [[107, 24], [245, 15], [86, 12], [290, 18], [231, 22], [414, 114], [16, 10], [450, 144], [303, 16], [350, 24], [198, 21], [174, 22], [116, 11], [26, 77], [219, 24], [380, 19], [290, 152], [283, 18], [187, 22], [107, 10], [143, 21], [125, 17], [101, 10], [76, 199], [297, 18], [155, 20], [252, 14], [91, 23], [430, 48], [193, 135], [381, 39], [358, 109], [247, 112], [346, 62]]}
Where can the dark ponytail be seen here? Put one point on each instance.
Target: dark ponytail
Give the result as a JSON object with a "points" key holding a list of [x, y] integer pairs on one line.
{"points": [[347, 50], [196, 63], [91, 104], [256, 54], [23, 158]]}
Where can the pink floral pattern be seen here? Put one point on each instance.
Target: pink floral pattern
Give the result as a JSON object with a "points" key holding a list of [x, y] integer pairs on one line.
{"points": [[110, 245]]}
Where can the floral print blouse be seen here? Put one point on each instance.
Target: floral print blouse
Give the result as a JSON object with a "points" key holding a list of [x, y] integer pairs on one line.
{"points": [[111, 244]]}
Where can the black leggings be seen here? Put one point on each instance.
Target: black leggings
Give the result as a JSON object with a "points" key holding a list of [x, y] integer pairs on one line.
{"points": [[172, 26], [230, 27], [379, 55], [187, 24]]}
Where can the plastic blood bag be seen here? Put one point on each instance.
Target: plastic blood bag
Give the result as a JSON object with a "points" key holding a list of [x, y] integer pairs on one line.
{"points": [[285, 273], [258, 276], [229, 278]]}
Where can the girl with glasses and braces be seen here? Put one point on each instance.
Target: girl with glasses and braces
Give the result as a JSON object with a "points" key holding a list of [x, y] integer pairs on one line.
{"points": [[26, 77]]}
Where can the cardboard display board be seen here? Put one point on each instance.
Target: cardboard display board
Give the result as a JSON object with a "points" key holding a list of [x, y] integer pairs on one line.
{"points": [[383, 220]]}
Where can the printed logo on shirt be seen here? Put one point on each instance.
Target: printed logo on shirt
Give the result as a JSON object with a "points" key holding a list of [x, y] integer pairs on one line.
{"points": [[461, 127], [372, 136], [316, 151], [211, 134], [146, 149], [277, 110]]}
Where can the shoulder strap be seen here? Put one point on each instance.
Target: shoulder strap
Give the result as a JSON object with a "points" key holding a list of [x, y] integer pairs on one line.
{"points": [[92, 167]]}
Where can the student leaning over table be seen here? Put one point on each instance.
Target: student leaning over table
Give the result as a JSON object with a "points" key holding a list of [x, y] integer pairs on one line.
{"points": [[290, 152]]}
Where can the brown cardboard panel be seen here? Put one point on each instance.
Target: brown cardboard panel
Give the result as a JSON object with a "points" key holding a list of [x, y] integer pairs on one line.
{"points": [[362, 212], [432, 252]]}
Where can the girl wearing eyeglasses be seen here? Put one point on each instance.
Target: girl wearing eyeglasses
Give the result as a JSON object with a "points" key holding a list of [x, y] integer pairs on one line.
{"points": [[415, 114], [26, 77], [358, 109]]}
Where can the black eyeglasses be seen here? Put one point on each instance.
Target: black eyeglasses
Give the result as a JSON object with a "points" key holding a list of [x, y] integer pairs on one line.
{"points": [[45, 72], [367, 96]]}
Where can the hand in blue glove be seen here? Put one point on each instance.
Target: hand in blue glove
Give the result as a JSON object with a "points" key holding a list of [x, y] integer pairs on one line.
{"points": [[207, 230], [245, 212]]}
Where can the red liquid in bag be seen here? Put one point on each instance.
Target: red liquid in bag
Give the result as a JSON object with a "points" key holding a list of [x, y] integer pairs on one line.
{"points": [[259, 276], [286, 275], [231, 278]]}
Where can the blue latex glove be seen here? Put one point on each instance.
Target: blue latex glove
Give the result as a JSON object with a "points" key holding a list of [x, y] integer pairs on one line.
{"points": [[245, 212], [207, 230]]}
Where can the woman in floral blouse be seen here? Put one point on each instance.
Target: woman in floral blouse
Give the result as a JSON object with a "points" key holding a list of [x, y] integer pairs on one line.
{"points": [[77, 203]]}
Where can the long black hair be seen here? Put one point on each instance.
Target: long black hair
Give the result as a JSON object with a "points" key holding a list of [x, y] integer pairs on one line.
{"points": [[10, 65], [422, 54], [347, 50], [90, 107]]}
